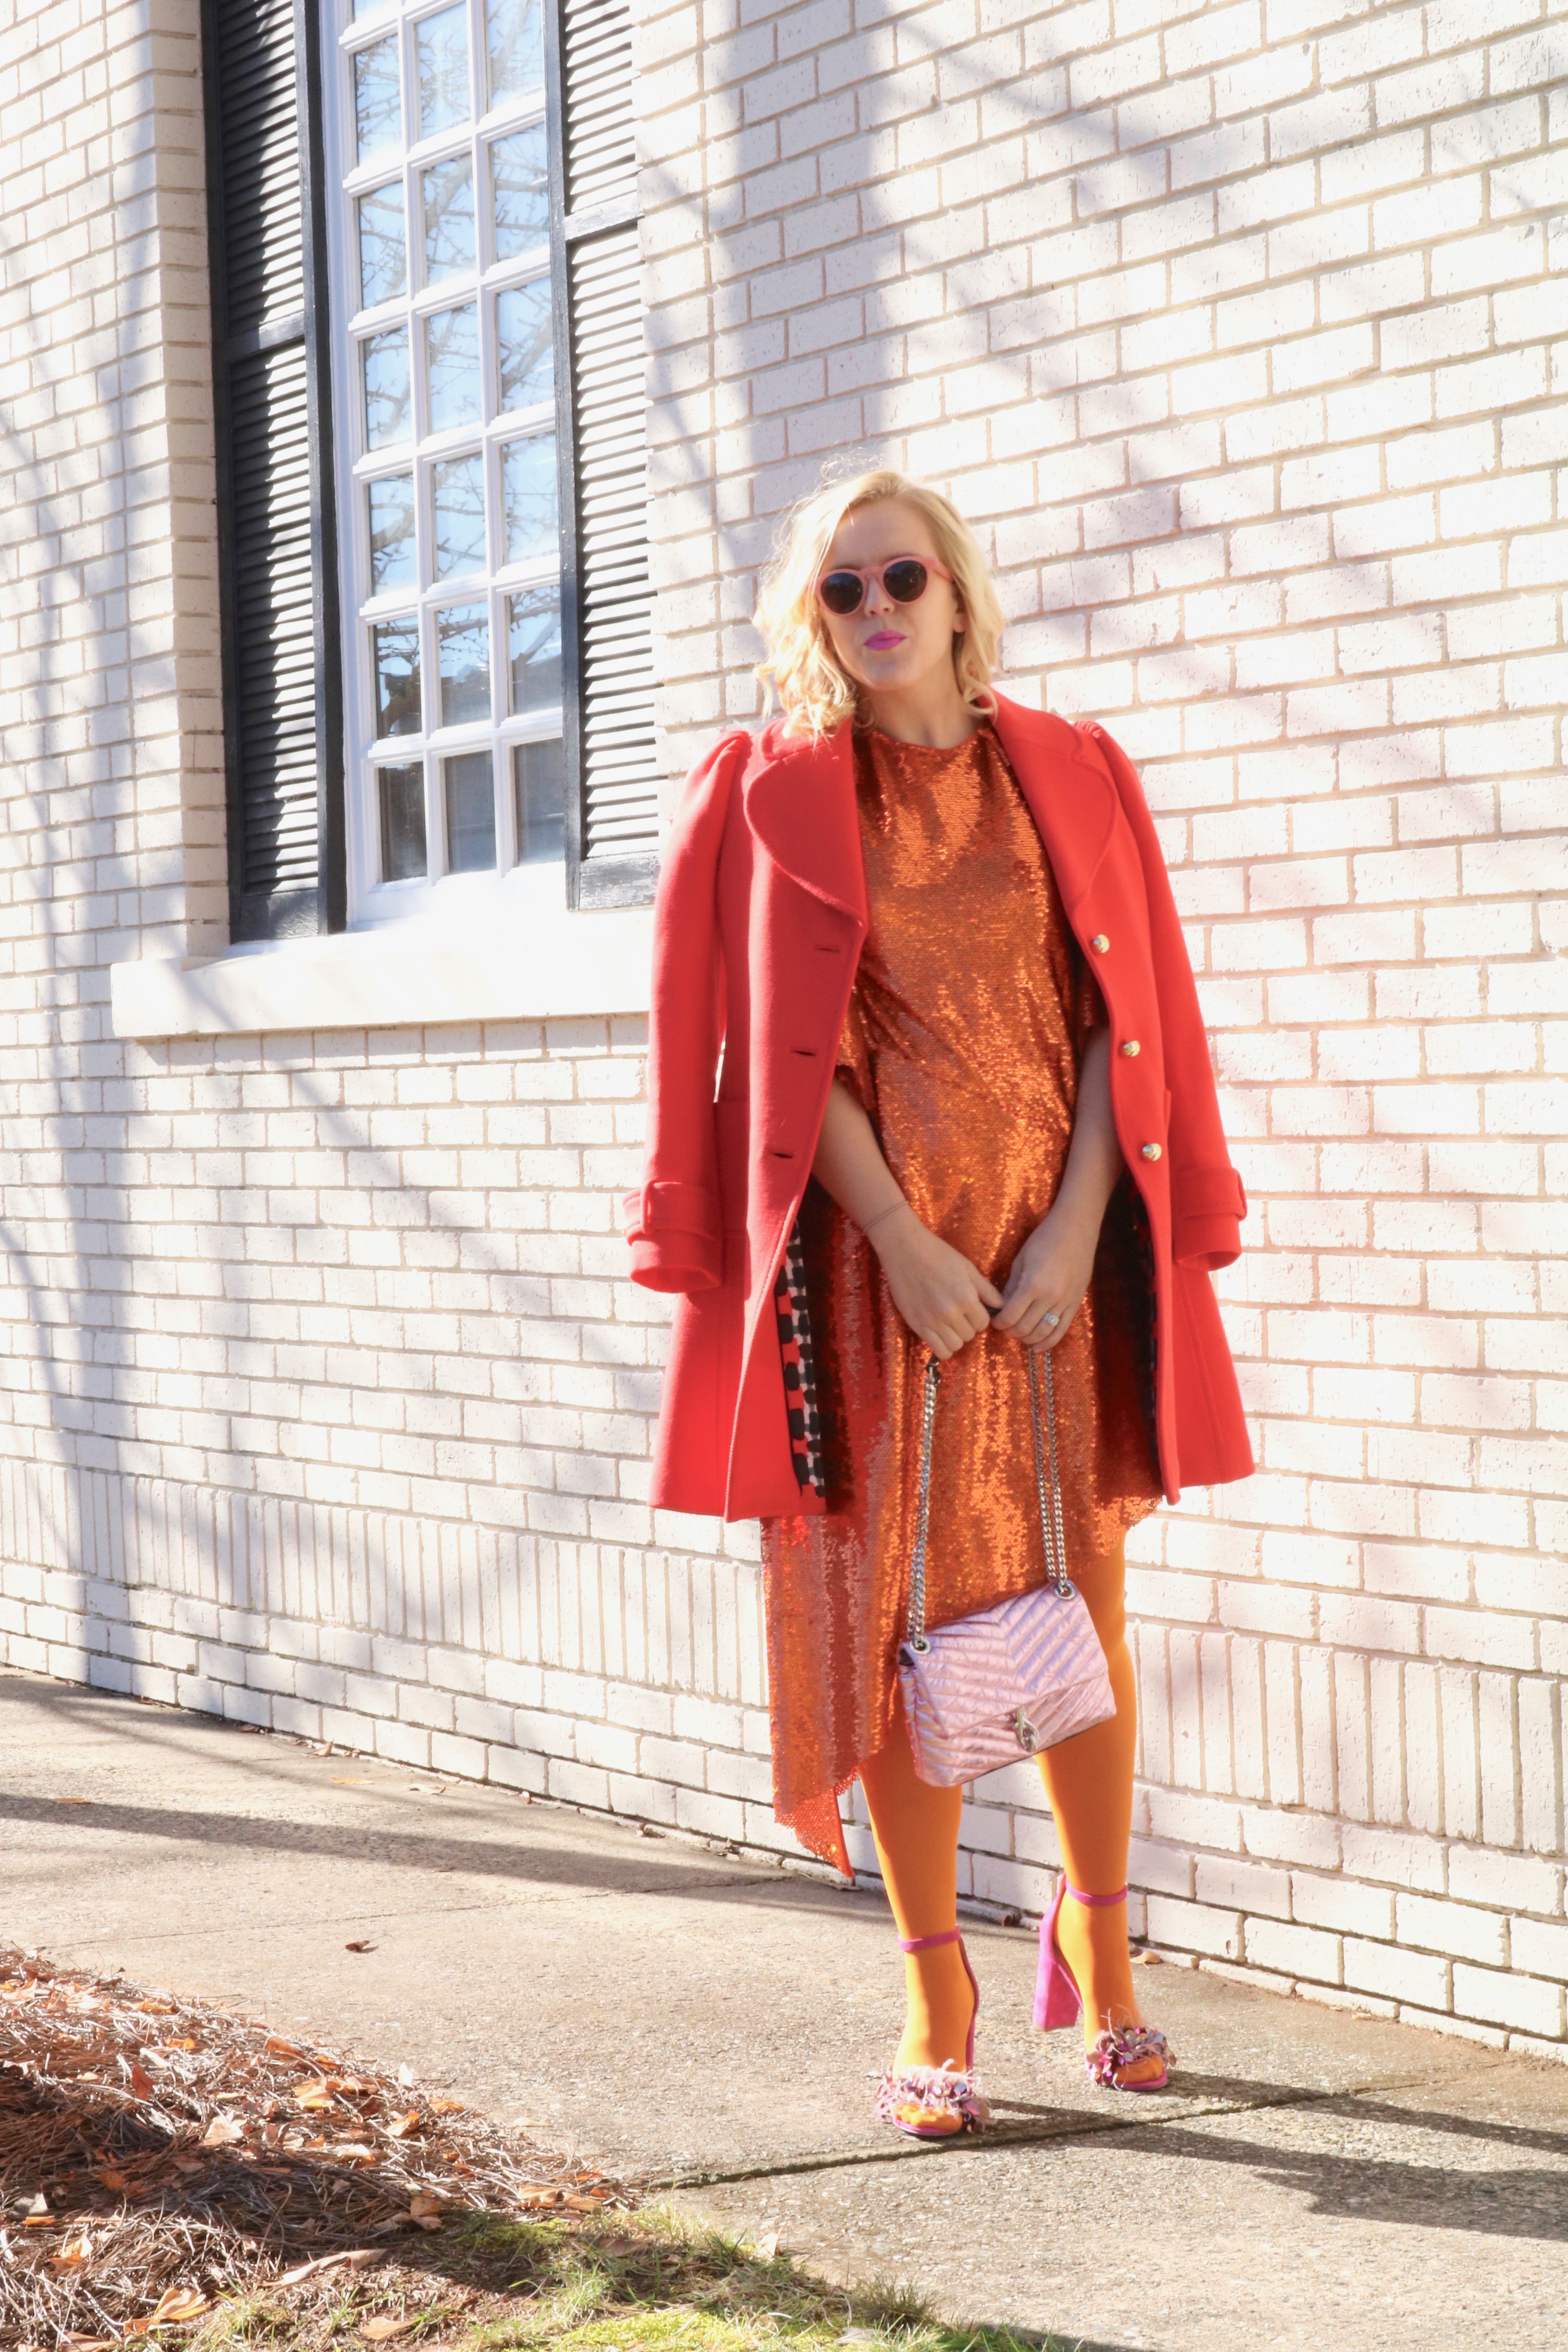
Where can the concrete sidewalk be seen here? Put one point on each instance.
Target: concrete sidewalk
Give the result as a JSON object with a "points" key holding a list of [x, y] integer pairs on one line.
{"points": [[1321, 2178]]}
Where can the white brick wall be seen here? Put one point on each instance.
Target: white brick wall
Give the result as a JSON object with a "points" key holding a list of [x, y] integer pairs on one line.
{"points": [[324, 1400], [1239, 331]]}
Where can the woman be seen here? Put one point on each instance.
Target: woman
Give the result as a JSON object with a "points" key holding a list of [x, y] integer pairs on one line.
{"points": [[965, 1109]]}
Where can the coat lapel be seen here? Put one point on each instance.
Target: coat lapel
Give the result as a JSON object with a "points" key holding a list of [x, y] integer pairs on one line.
{"points": [[1071, 797], [800, 805]]}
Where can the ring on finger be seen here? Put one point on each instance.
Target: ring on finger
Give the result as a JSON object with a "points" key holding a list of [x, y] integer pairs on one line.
{"points": [[1050, 1320]]}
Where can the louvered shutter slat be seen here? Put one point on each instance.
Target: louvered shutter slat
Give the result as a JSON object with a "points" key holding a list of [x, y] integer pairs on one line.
{"points": [[616, 753], [272, 471]]}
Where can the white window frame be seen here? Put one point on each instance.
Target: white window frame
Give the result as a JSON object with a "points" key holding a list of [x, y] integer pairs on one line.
{"points": [[511, 889]]}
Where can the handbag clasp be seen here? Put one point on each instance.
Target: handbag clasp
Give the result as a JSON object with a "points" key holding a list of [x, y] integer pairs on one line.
{"points": [[1025, 1732]]}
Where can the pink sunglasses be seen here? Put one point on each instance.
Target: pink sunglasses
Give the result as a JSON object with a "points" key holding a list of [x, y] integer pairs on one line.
{"points": [[904, 578]]}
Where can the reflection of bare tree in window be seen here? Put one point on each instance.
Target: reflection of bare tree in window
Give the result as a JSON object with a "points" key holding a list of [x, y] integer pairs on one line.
{"points": [[532, 521], [515, 38], [463, 655], [383, 245], [447, 198], [392, 557], [522, 338], [378, 112], [396, 653], [388, 412], [533, 629], [519, 192], [458, 506], [443, 46], [452, 361]]}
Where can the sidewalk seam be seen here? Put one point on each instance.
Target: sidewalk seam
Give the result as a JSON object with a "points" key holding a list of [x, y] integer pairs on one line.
{"points": [[1070, 2127]]}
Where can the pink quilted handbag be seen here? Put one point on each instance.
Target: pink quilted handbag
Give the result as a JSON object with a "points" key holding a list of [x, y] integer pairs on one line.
{"points": [[997, 1685]]}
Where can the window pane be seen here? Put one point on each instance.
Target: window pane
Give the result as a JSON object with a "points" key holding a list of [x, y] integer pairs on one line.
{"points": [[519, 193], [443, 46], [362, 8], [393, 559], [470, 787], [522, 337], [383, 246], [539, 771], [457, 501], [378, 118], [446, 195], [516, 39], [402, 790], [452, 360], [463, 643], [394, 651], [533, 633], [383, 359], [528, 471]]}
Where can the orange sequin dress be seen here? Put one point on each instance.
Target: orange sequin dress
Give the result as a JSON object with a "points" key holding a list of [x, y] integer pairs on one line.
{"points": [[969, 1013]]}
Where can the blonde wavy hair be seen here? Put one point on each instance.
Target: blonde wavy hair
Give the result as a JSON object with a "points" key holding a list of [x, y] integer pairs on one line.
{"points": [[800, 666]]}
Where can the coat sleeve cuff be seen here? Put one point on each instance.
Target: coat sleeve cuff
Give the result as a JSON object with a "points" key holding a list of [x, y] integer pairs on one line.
{"points": [[673, 1230], [1207, 1205]]}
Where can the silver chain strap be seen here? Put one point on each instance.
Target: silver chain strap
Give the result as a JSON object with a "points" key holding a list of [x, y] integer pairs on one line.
{"points": [[1048, 1485]]}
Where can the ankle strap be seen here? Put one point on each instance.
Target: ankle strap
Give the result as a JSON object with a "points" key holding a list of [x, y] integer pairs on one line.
{"points": [[929, 1943], [1095, 1901]]}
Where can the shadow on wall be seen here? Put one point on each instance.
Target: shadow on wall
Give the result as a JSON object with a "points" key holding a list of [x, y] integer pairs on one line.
{"points": [[1092, 178]]}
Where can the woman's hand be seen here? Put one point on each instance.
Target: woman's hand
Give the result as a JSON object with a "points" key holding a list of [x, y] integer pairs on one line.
{"points": [[944, 1300], [1048, 1279]]}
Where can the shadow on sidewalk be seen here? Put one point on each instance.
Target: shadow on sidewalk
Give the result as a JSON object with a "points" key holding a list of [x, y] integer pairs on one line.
{"points": [[1519, 2202]]}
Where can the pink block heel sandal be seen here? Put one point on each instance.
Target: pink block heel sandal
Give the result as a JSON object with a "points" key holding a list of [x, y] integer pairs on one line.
{"points": [[1058, 2001], [945, 2100]]}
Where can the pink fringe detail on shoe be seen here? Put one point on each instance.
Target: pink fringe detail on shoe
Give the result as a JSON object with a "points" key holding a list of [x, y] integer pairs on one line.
{"points": [[941, 2090], [1123, 2045]]}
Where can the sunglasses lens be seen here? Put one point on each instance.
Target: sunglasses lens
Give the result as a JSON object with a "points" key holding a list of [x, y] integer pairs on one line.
{"points": [[905, 581], [840, 590]]}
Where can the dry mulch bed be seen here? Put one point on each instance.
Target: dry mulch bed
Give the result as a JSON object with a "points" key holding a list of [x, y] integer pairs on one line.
{"points": [[158, 2156]]}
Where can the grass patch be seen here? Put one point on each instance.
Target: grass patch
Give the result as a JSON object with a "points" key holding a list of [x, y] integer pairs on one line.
{"points": [[644, 2282]]}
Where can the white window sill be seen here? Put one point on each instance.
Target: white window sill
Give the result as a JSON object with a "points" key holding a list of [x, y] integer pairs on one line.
{"points": [[551, 965]]}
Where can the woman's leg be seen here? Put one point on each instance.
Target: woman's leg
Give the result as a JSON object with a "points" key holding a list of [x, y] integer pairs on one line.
{"points": [[916, 1830], [1088, 1781]]}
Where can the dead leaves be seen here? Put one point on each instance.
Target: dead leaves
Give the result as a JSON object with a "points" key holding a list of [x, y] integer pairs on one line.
{"points": [[360, 2258], [176, 2307], [382, 2331], [269, 2139], [333, 2090], [362, 1944]]}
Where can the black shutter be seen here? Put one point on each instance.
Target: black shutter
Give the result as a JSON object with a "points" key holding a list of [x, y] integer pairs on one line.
{"points": [[612, 760], [282, 713]]}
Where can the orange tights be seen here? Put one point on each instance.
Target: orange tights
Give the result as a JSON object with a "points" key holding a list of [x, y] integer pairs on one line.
{"points": [[1088, 1784]]}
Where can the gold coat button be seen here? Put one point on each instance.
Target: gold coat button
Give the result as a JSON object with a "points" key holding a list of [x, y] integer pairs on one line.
{"points": [[1131, 1048], [1152, 1151], [1099, 943]]}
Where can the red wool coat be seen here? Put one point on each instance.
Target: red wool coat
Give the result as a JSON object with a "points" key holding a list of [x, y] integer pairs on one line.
{"points": [[758, 927]]}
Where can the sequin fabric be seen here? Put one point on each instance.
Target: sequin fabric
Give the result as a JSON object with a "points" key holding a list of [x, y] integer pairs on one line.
{"points": [[969, 1016]]}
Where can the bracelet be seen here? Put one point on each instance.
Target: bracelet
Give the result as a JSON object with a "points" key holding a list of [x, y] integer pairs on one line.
{"points": [[881, 1215]]}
